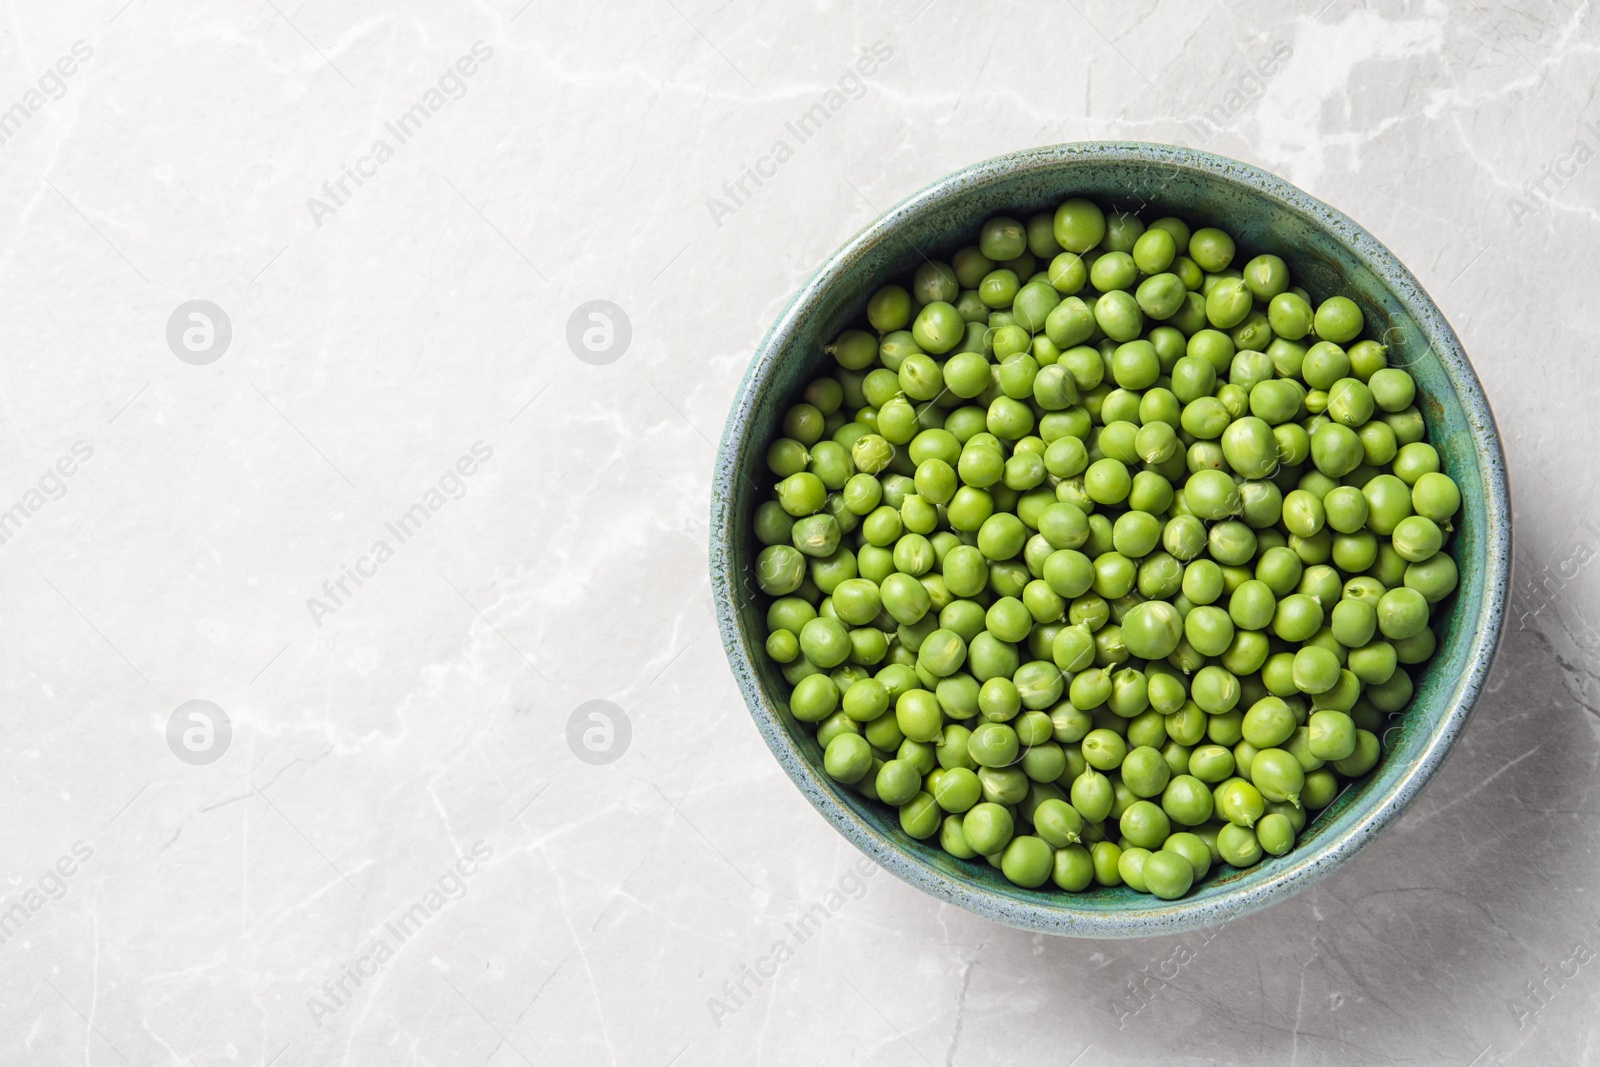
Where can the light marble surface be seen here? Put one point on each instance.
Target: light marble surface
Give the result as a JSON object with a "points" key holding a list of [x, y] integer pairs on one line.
{"points": [[403, 749]]}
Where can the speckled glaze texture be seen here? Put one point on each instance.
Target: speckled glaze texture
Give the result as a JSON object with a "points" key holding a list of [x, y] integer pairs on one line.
{"points": [[1327, 253]]}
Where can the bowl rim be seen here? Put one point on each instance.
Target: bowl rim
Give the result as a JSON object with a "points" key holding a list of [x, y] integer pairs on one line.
{"points": [[1157, 917]]}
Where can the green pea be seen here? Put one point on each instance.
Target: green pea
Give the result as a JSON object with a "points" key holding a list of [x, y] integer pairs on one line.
{"points": [[935, 281], [1324, 364], [1250, 368], [1028, 861], [1184, 537], [1336, 450], [898, 782], [1346, 509], [1151, 630], [1192, 848], [866, 699], [1435, 578], [787, 456], [1145, 771], [1275, 833], [989, 657], [889, 309], [1390, 696], [1004, 785], [853, 350], [773, 525], [1144, 824], [904, 598], [1067, 273], [1350, 402], [1232, 543], [1068, 326], [1374, 663], [1269, 722], [1215, 690], [958, 790], [988, 828], [1239, 846], [1185, 723], [1202, 582], [1297, 617], [1092, 795], [1378, 443], [921, 817], [1299, 746], [1267, 276], [1225, 728], [1435, 496], [1113, 270], [1393, 389], [1414, 460], [943, 652], [1275, 401], [1250, 448], [1338, 319], [1209, 630], [848, 758], [1078, 225], [1167, 875], [1363, 759], [1239, 802], [1211, 763], [1294, 445], [1033, 727], [952, 748], [1280, 569], [1073, 868], [1402, 613], [782, 646], [1246, 653], [1253, 605], [1332, 735], [1289, 315], [1161, 296], [1039, 684], [1417, 538], [1277, 775], [953, 840], [1211, 249], [1106, 859], [1212, 495], [1104, 750], [918, 714], [1303, 512], [1244, 754], [1213, 348], [1177, 228], [1316, 670], [1154, 251], [993, 744], [1130, 866], [824, 642], [1354, 622], [1187, 799]]}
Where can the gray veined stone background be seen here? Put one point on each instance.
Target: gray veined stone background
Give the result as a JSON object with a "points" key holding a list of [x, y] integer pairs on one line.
{"points": [[425, 529]]}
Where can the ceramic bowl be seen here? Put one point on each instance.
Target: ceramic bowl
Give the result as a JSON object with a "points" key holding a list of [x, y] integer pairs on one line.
{"points": [[1327, 253]]}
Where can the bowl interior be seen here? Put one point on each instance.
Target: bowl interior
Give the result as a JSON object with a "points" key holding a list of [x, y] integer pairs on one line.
{"points": [[1327, 254]]}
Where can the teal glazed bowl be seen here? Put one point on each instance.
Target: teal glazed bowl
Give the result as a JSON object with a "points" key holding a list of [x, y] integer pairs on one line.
{"points": [[1327, 253]]}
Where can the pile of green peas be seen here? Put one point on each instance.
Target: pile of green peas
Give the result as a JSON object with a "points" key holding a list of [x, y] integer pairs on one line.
{"points": [[1101, 557]]}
